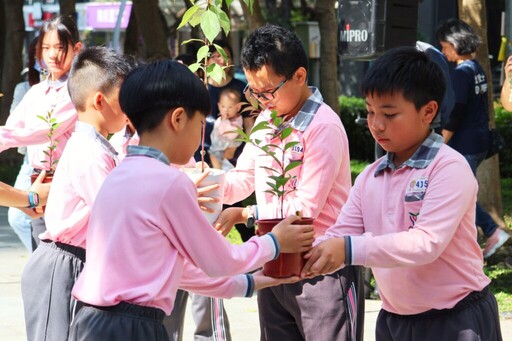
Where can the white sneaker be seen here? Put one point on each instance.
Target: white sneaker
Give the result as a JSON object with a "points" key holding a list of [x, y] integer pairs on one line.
{"points": [[494, 242]]}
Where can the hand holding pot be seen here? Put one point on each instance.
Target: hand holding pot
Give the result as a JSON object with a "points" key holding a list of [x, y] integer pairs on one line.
{"points": [[261, 281], [42, 189], [325, 258], [294, 238]]}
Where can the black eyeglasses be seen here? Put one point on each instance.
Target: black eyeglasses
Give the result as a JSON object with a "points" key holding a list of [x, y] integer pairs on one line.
{"points": [[265, 95]]}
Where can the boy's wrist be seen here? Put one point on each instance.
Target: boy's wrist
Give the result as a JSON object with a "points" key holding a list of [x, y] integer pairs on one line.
{"points": [[33, 199]]}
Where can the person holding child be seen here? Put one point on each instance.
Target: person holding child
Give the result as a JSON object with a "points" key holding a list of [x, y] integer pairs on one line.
{"points": [[467, 127], [324, 307], [93, 85], [142, 240], [57, 44], [222, 136], [411, 214]]}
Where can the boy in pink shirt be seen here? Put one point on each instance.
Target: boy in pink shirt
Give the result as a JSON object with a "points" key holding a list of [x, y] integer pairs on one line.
{"points": [[52, 269], [411, 215], [275, 64], [144, 239]]}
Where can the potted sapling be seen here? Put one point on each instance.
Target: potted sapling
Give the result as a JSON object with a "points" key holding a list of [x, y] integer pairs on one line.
{"points": [[50, 159], [271, 138]]}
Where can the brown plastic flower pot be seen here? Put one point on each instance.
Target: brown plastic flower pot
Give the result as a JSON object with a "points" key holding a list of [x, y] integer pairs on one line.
{"points": [[286, 264]]}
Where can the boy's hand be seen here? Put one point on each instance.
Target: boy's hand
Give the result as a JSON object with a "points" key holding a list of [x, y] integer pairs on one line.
{"points": [[202, 199], [41, 189], [325, 258], [229, 217], [294, 238], [261, 281]]}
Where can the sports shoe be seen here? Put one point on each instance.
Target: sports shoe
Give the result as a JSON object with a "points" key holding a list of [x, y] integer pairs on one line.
{"points": [[494, 242]]}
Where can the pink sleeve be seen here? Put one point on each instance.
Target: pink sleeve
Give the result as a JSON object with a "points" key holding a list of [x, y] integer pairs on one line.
{"points": [[239, 183], [195, 280], [198, 242], [19, 131]]}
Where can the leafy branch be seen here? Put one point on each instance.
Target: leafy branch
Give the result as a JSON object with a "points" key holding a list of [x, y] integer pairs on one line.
{"points": [[279, 130], [52, 124]]}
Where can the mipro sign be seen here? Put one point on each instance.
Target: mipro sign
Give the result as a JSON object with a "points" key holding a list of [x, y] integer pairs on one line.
{"points": [[353, 36]]}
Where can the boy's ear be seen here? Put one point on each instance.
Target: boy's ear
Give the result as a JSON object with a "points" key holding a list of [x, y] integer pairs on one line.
{"points": [[300, 75], [78, 47], [98, 101], [430, 111], [177, 118]]}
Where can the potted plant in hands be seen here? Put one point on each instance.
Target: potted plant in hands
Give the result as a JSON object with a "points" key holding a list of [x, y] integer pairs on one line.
{"points": [[280, 183]]}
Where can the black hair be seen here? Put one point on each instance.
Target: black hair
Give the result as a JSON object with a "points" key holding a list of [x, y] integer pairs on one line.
{"points": [[95, 69], [66, 29], [276, 47], [407, 71], [34, 75], [460, 35], [151, 90], [186, 58]]}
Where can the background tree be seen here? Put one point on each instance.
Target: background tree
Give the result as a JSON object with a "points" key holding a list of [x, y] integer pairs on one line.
{"points": [[329, 52], [474, 13], [68, 7], [147, 22], [13, 35]]}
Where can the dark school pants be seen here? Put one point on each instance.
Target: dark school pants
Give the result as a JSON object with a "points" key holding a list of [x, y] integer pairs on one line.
{"points": [[122, 322], [46, 285], [209, 316], [324, 308], [474, 318]]}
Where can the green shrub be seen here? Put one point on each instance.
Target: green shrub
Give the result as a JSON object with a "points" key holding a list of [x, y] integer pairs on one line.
{"points": [[504, 125], [361, 143]]}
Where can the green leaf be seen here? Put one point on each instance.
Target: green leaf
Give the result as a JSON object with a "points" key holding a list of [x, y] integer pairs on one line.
{"points": [[292, 165], [270, 169], [290, 144], [286, 132], [225, 23], [188, 15], [202, 53], [220, 50], [196, 19], [191, 40], [210, 25], [41, 117], [217, 74], [46, 153], [194, 67], [228, 3], [260, 126]]}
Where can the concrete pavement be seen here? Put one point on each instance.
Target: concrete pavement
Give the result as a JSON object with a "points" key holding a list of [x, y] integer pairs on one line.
{"points": [[242, 312]]}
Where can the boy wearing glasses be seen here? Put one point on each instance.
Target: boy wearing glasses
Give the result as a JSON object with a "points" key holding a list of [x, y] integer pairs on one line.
{"points": [[324, 307]]}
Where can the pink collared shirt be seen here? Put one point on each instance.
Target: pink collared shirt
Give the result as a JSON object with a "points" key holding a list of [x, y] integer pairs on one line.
{"points": [[145, 227], [415, 227], [24, 128], [84, 165], [323, 180]]}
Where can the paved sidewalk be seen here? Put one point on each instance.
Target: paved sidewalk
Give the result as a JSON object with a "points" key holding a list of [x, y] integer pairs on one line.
{"points": [[242, 312]]}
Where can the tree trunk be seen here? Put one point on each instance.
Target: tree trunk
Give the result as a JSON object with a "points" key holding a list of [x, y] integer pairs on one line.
{"points": [[489, 195], [255, 19], [68, 7], [152, 28], [12, 53], [328, 51]]}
